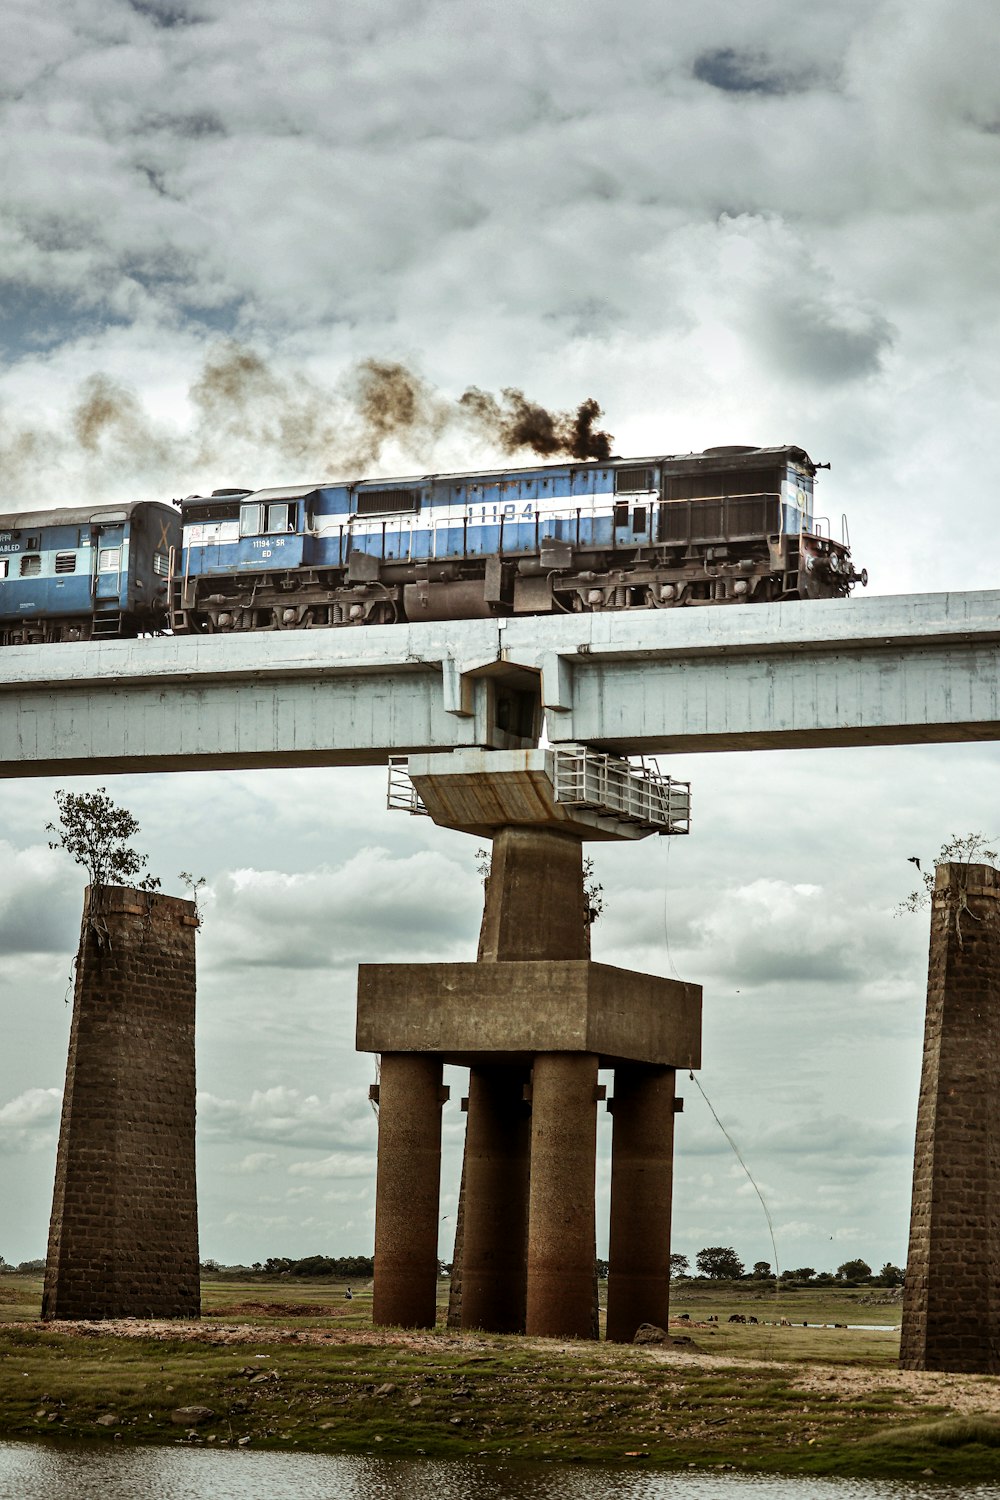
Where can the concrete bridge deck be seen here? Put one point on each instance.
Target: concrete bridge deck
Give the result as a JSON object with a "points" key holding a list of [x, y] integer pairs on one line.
{"points": [[869, 670]]}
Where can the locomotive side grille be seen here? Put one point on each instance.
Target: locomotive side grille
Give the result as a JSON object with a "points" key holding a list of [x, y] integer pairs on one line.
{"points": [[379, 502], [720, 520], [702, 485], [210, 510], [634, 481]]}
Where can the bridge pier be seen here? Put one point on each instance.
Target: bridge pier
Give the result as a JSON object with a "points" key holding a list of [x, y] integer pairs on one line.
{"points": [[642, 1176], [495, 1222], [407, 1190], [123, 1238], [561, 1224], [534, 1019], [951, 1300]]}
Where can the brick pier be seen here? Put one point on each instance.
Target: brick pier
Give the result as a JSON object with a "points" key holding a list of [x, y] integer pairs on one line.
{"points": [[951, 1301], [123, 1239]]}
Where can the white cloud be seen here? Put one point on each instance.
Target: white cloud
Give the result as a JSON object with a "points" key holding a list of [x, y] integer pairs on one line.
{"points": [[286, 1116], [372, 906], [254, 1163], [41, 899], [31, 1120], [337, 1164]]}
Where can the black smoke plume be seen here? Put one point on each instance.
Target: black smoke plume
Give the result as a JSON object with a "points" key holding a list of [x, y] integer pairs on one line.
{"points": [[519, 424], [251, 421]]}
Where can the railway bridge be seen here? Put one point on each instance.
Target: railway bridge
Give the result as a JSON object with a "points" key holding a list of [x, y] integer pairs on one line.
{"points": [[865, 671], [544, 1018]]}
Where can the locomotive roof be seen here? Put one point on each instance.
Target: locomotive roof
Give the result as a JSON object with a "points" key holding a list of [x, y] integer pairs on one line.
{"points": [[77, 515], [711, 459]]}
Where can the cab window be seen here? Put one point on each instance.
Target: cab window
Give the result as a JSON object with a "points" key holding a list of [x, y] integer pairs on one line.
{"points": [[251, 520], [257, 519], [279, 517]]}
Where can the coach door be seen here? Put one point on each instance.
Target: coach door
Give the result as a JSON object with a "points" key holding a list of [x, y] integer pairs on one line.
{"points": [[108, 566]]}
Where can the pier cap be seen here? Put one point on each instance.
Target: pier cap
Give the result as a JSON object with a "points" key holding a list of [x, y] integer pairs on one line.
{"points": [[570, 788]]}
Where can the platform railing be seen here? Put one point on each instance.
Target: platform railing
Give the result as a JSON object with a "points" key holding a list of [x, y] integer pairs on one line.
{"points": [[633, 792]]}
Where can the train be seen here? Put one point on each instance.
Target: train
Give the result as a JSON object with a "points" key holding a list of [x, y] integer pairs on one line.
{"points": [[86, 572], [730, 525]]}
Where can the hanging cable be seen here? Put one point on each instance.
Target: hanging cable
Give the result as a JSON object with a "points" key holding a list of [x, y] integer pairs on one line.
{"points": [[695, 1081], [750, 1176]]}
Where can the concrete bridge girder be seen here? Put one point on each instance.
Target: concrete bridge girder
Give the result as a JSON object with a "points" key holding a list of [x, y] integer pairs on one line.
{"points": [[891, 670]]}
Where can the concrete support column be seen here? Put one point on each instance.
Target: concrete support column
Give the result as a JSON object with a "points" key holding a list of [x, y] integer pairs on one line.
{"points": [[951, 1302], [642, 1173], [407, 1191], [561, 1213], [495, 1226], [534, 899]]}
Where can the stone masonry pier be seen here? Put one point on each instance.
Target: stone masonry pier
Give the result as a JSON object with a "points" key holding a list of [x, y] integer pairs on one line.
{"points": [[951, 1301], [123, 1239], [533, 1019]]}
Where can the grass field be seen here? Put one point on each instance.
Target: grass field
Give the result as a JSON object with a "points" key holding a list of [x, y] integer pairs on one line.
{"points": [[298, 1366]]}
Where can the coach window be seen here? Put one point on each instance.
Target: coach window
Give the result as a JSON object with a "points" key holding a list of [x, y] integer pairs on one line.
{"points": [[31, 564], [161, 564], [4, 565], [109, 560], [65, 562]]}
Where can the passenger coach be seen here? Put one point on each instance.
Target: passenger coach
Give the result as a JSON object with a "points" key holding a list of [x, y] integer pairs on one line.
{"points": [[73, 575]]}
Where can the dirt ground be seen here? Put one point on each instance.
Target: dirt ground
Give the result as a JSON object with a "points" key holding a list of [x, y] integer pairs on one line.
{"points": [[963, 1393]]}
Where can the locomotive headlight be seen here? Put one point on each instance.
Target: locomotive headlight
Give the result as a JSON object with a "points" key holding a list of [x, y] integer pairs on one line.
{"points": [[834, 562]]}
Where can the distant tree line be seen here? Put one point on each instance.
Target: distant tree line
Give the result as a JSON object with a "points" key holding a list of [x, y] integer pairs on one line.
{"points": [[721, 1263], [345, 1267]]}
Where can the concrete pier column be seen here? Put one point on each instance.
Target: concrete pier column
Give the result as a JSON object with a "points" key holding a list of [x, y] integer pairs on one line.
{"points": [[495, 1220], [534, 898], [407, 1190], [951, 1302], [123, 1238], [642, 1152], [560, 1293]]}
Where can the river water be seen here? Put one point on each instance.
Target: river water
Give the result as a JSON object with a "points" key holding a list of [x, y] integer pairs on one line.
{"points": [[30, 1472]]}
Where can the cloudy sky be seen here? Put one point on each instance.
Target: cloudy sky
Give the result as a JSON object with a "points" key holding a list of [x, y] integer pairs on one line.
{"points": [[769, 223]]}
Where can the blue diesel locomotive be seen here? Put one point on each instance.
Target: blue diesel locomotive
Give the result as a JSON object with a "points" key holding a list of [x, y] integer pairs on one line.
{"points": [[731, 525], [73, 575]]}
